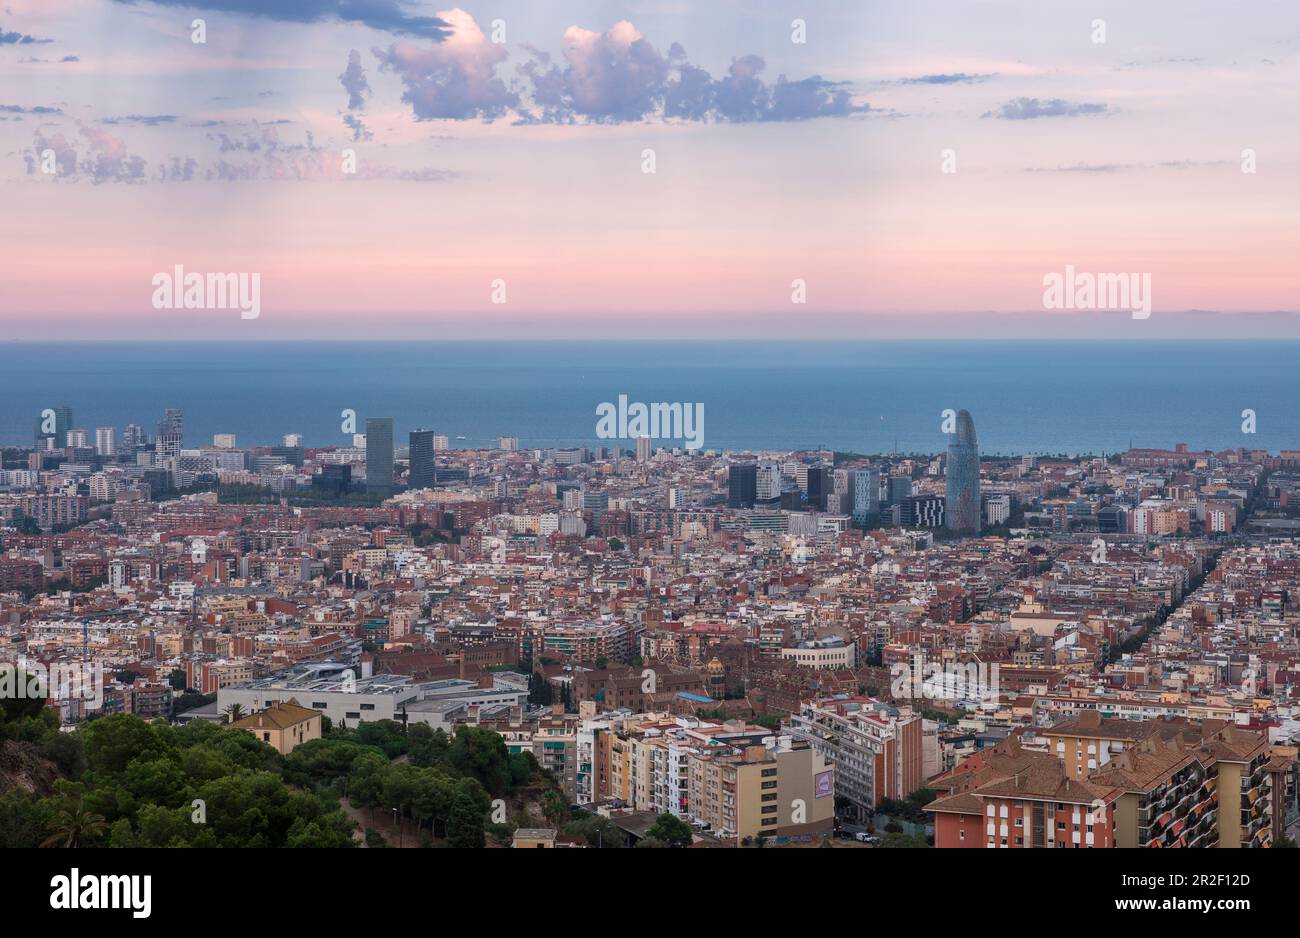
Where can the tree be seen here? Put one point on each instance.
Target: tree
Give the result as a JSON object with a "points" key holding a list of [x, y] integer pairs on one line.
{"points": [[74, 826], [234, 713], [553, 807], [481, 754], [465, 824], [670, 830], [21, 694]]}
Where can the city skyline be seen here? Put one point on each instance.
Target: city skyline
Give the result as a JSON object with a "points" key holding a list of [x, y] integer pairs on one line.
{"points": [[668, 424]]}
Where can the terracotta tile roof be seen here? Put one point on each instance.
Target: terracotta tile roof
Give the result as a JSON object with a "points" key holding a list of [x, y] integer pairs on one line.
{"points": [[278, 716]]}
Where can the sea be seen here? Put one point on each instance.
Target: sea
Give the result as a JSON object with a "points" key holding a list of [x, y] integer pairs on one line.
{"points": [[1026, 397]]}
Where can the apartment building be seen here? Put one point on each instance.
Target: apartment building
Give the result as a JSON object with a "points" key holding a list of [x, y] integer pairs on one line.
{"points": [[1088, 743], [876, 748], [1011, 797], [1162, 783], [779, 789]]}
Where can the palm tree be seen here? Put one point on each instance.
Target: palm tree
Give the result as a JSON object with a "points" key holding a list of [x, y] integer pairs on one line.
{"points": [[234, 712], [72, 826]]}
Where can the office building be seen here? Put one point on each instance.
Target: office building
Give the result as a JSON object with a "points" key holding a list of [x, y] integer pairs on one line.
{"points": [[105, 441], [962, 512], [864, 489], [379, 455], [421, 456], [742, 485], [171, 433], [51, 428]]}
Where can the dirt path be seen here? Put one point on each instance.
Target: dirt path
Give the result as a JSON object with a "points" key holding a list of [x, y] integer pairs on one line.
{"points": [[383, 823]]}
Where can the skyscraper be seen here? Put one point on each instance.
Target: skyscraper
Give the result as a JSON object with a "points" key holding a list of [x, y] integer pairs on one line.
{"points": [[742, 485], [171, 432], [768, 486], [642, 448], [52, 427], [379, 455], [421, 452], [105, 441], [820, 485], [963, 477], [133, 437], [865, 492]]}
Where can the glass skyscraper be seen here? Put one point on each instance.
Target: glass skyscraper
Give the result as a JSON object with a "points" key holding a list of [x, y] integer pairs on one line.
{"points": [[379, 455], [962, 512], [422, 472]]}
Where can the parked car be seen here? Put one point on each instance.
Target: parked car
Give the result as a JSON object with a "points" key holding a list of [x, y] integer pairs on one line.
{"points": [[864, 837]]}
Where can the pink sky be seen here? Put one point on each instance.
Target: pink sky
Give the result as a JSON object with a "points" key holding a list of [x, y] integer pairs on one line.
{"points": [[1130, 162]]}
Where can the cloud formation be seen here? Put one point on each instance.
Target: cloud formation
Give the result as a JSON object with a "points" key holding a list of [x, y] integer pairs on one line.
{"points": [[19, 109], [1020, 109], [955, 78], [385, 15], [147, 120], [454, 79], [354, 81], [20, 39], [618, 76], [256, 154]]}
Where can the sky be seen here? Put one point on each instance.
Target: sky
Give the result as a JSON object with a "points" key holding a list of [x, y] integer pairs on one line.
{"points": [[822, 169]]}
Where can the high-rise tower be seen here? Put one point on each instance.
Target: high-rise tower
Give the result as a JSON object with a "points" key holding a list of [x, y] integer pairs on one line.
{"points": [[379, 455], [962, 512], [421, 450], [171, 433]]}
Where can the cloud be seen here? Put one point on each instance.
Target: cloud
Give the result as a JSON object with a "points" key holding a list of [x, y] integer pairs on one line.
{"points": [[148, 120], [455, 79], [355, 84], [1021, 109], [1127, 167], [178, 169], [384, 15], [619, 76], [354, 81], [358, 127], [20, 39], [612, 76], [263, 156], [19, 109], [108, 160], [956, 78], [65, 156]]}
